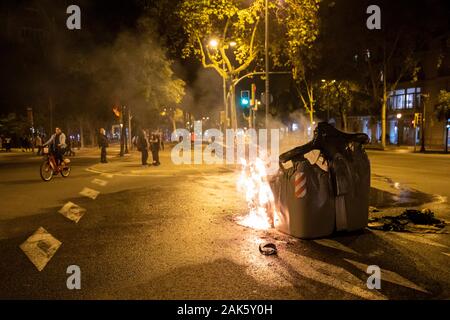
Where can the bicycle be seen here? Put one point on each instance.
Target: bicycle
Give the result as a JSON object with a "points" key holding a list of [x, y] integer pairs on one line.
{"points": [[49, 168]]}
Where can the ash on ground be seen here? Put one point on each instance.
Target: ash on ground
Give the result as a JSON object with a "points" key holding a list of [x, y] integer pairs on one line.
{"points": [[411, 220]]}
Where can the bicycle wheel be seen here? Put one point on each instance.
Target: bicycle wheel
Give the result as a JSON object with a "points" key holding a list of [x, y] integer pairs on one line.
{"points": [[46, 171], [65, 172]]}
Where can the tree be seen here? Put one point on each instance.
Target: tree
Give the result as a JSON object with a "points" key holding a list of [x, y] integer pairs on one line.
{"points": [[135, 72], [297, 29], [443, 113], [222, 35], [391, 55], [338, 95]]}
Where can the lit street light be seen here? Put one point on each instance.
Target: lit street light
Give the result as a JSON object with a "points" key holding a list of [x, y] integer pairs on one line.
{"points": [[213, 43]]}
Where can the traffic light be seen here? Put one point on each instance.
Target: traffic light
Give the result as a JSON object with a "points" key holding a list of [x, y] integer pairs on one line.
{"points": [[245, 99], [253, 100], [417, 119]]}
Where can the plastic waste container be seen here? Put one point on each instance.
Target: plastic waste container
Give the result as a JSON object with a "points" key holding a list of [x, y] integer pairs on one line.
{"points": [[312, 202], [304, 200]]}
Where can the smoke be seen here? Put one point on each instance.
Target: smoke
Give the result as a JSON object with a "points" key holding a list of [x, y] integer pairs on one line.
{"points": [[204, 96], [295, 131]]}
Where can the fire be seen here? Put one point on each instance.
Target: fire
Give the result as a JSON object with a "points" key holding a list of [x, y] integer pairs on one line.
{"points": [[254, 184]]}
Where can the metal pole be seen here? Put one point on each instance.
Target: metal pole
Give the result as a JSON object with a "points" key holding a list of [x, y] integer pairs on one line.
{"points": [[129, 128], [422, 147], [266, 46]]}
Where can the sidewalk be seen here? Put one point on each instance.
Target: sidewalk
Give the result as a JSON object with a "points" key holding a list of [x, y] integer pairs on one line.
{"points": [[404, 149]]}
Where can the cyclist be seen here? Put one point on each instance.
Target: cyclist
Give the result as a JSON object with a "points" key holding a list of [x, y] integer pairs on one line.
{"points": [[57, 143]]}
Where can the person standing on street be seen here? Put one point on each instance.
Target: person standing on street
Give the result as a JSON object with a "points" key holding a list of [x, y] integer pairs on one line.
{"points": [[7, 143], [155, 144], [143, 146], [39, 145], [103, 144], [161, 139]]}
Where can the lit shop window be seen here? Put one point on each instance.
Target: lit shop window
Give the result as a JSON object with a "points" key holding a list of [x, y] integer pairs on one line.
{"points": [[404, 98]]}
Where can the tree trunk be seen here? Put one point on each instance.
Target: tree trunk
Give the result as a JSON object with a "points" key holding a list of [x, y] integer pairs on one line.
{"points": [[343, 121], [81, 134], [233, 107], [174, 124]]}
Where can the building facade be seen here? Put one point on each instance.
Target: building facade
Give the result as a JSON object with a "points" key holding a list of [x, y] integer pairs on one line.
{"points": [[414, 99]]}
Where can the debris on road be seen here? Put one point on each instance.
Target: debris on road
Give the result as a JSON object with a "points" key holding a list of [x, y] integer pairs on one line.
{"points": [[411, 220], [268, 249]]}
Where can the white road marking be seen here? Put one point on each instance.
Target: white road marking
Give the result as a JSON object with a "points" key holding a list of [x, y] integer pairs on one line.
{"points": [[335, 245], [100, 182], [72, 211], [90, 193], [332, 276], [389, 276], [447, 254], [420, 239], [107, 175], [40, 248]]}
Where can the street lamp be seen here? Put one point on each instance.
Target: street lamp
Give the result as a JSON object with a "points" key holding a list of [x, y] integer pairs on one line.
{"points": [[399, 115], [233, 44], [213, 43]]}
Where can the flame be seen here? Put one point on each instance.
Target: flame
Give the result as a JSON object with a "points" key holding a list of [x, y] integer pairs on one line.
{"points": [[254, 184]]}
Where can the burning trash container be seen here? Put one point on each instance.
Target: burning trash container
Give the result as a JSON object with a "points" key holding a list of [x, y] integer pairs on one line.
{"points": [[312, 202]]}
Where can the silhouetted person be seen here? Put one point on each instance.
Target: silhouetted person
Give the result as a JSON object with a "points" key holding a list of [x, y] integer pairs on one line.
{"points": [[155, 144], [103, 144], [143, 146]]}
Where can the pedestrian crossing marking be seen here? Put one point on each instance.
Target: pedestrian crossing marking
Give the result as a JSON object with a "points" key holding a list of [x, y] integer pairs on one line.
{"points": [[333, 276], [335, 245], [389, 276], [72, 211], [100, 182], [90, 193], [421, 239], [40, 247]]}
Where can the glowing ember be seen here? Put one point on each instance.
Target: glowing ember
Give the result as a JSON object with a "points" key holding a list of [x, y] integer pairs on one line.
{"points": [[253, 183]]}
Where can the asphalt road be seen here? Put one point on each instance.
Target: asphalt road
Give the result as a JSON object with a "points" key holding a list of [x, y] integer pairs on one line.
{"points": [[169, 233]]}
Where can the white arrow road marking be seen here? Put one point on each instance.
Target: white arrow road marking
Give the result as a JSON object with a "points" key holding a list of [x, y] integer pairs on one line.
{"points": [[90, 193], [420, 239], [107, 175], [40, 248], [100, 182], [389, 276], [335, 245], [331, 275], [72, 211]]}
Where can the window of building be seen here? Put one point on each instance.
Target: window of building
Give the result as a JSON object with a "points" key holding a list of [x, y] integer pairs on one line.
{"points": [[404, 99]]}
